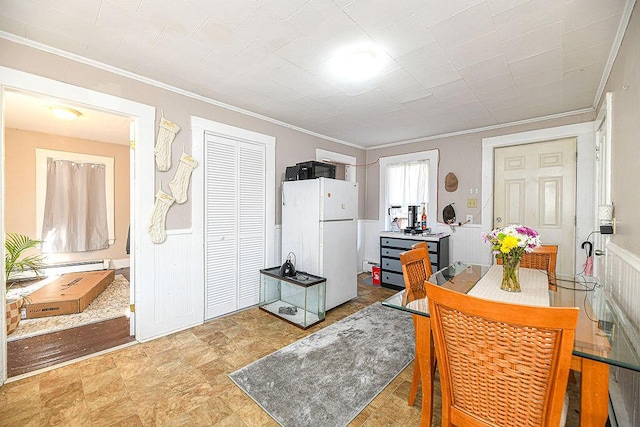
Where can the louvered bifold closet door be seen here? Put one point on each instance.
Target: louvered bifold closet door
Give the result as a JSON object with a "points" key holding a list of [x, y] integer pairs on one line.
{"points": [[221, 212], [235, 224], [251, 222]]}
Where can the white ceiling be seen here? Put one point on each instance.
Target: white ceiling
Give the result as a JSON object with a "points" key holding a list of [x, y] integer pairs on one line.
{"points": [[452, 65], [32, 112]]}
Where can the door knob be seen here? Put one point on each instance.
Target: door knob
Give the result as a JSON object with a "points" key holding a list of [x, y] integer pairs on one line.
{"points": [[598, 252], [499, 219]]}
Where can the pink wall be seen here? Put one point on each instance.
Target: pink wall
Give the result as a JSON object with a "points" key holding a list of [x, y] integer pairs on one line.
{"points": [[20, 186]]}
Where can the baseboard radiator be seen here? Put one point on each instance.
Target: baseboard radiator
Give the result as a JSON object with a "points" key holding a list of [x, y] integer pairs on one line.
{"points": [[62, 268]]}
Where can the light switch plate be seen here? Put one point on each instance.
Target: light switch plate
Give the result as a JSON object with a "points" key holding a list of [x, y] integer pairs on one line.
{"points": [[472, 203]]}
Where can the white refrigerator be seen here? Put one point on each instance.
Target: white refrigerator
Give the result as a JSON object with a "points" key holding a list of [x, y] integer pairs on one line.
{"points": [[319, 227]]}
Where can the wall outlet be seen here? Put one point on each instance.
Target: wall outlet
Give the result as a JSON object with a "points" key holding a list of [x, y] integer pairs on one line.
{"points": [[470, 219], [472, 203]]}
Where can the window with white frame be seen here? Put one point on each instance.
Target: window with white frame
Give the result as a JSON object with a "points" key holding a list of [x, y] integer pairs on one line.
{"points": [[409, 179], [42, 162]]}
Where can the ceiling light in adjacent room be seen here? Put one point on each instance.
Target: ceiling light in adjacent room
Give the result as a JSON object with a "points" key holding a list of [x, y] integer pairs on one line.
{"points": [[65, 113], [359, 62]]}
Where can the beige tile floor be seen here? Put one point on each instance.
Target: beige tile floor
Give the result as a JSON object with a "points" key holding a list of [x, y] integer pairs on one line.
{"points": [[182, 379]]}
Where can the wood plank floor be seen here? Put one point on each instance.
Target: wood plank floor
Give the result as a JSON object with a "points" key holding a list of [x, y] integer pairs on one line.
{"points": [[30, 354]]}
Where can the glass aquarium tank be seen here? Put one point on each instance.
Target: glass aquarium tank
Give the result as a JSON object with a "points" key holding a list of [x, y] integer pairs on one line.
{"points": [[298, 299]]}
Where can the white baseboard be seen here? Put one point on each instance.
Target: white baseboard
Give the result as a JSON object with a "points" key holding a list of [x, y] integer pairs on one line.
{"points": [[120, 263]]}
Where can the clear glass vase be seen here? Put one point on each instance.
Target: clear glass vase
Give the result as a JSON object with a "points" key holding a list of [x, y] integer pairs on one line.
{"points": [[510, 270]]}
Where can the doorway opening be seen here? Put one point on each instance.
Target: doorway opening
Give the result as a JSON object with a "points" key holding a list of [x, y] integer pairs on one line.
{"points": [[584, 199], [98, 138]]}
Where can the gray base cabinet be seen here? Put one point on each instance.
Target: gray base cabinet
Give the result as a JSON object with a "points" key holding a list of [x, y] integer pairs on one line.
{"points": [[392, 244]]}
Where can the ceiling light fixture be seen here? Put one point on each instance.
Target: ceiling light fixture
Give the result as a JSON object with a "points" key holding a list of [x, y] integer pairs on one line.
{"points": [[359, 62], [65, 113]]}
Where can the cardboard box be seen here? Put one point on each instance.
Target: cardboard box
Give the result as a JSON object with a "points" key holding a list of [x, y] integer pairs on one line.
{"points": [[70, 293]]}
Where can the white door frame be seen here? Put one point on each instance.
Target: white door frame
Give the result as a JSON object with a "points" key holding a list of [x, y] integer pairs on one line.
{"points": [[348, 161], [585, 197], [603, 124], [144, 117], [198, 127]]}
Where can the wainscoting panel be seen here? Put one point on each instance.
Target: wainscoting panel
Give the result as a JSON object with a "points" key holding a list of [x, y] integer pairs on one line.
{"points": [[368, 242], [621, 280], [467, 246], [170, 295]]}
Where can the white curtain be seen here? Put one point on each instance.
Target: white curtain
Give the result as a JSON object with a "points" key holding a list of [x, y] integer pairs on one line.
{"points": [[407, 184], [75, 211]]}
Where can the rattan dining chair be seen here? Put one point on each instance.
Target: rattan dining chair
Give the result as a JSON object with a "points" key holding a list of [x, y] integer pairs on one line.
{"points": [[416, 269], [420, 245], [500, 364], [542, 258]]}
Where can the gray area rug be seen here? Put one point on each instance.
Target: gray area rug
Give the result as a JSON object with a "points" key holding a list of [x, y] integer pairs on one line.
{"points": [[113, 302], [327, 378]]}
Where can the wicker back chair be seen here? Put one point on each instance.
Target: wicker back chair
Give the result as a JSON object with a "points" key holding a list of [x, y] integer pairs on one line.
{"points": [[416, 269], [420, 245], [542, 258], [500, 364]]}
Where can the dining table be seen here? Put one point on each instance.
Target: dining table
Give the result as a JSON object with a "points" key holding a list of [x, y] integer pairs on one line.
{"points": [[604, 337]]}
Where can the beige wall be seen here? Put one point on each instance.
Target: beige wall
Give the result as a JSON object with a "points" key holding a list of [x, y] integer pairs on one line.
{"points": [[624, 83], [20, 186], [461, 155], [291, 146]]}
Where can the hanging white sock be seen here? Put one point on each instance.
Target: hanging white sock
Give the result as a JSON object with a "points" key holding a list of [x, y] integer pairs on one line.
{"points": [[180, 182], [166, 133], [156, 227]]}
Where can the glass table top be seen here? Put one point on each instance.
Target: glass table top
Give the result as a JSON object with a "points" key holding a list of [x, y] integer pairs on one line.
{"points": [[603, 333]]}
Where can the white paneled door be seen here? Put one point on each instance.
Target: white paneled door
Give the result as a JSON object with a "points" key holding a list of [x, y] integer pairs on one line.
{"points": [[235, 223], [535, 185]]}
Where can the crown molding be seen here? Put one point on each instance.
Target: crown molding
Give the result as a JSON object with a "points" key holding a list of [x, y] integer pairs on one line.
{"points": [[486, 128], [164, 86], [617, 42], [155, 83]]}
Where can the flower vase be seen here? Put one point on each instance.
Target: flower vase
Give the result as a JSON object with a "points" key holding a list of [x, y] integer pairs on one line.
{"points": [[510, 279]]}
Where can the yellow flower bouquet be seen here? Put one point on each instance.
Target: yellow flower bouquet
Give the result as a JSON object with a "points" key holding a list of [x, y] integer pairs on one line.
{"points": [[509, 244]]}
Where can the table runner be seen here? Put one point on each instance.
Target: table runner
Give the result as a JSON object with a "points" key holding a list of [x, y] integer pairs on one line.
{"points": [[534, 286]]}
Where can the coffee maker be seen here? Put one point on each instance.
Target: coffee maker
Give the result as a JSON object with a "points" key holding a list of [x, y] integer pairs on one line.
{"points": [[413, 225]]}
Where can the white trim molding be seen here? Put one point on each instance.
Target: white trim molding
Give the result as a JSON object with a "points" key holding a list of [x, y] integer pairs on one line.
{"points": [[585, 136], [433, 157], [348, 161], [198, 127], [613, 53], [142, 198]]}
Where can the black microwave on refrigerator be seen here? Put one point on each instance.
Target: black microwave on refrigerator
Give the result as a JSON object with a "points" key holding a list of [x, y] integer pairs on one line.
{"points": [[310, 170]]}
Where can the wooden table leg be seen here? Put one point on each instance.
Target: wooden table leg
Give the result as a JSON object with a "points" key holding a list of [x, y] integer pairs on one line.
{"points": [[594, 392], [426, 360]]}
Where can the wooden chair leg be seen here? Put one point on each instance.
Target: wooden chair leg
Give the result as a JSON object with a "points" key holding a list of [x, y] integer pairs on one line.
{"points": [[414, 382], [425, 354]]}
